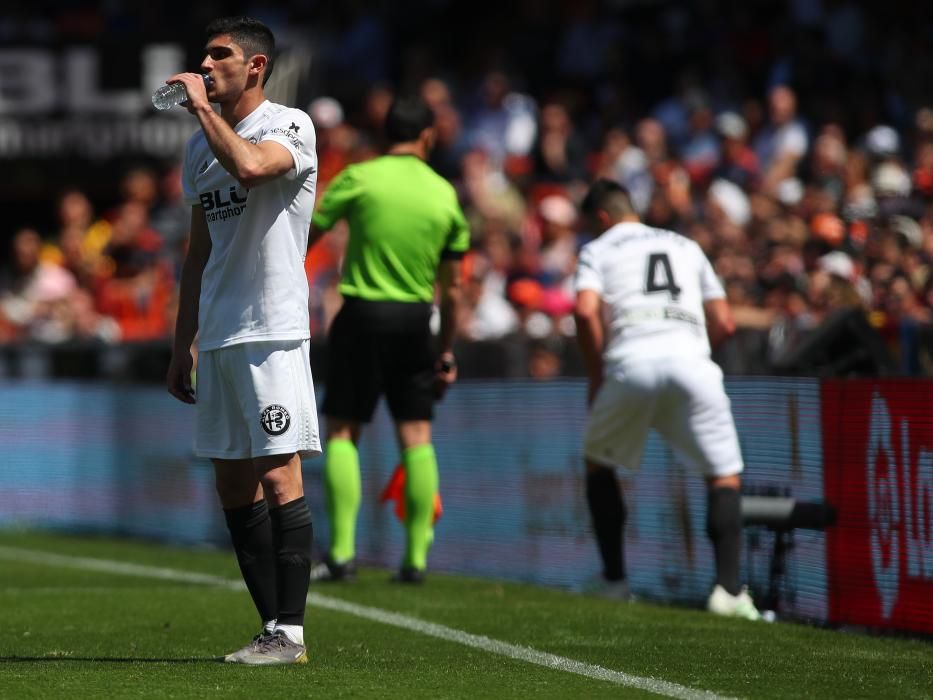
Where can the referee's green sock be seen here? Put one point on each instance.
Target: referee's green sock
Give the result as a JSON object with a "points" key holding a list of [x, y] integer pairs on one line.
{"points": [[420, 488], [342, 485]]}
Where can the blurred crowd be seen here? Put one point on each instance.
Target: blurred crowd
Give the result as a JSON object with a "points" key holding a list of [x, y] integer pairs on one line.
{"points": [[109, 277], [796, 149]]}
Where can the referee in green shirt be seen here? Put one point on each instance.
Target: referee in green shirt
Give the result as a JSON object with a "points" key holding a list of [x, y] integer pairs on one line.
{"points": [[407, 234]]}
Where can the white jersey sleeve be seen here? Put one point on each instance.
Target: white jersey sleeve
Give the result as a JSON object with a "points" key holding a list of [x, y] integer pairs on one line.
{"points": [[588, 274], [188, 188], [292, 129], [710, 286]]}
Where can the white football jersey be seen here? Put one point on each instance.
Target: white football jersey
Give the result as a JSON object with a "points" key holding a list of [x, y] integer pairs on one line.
{"points": [[653, 284], [254, 287]]}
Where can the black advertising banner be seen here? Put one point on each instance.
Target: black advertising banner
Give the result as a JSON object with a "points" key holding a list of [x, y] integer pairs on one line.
{"points": [[64, 103]]}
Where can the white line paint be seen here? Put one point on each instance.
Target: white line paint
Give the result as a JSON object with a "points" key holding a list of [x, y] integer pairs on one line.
{"points": [[386, 617], [106, 566], [58, 590]]}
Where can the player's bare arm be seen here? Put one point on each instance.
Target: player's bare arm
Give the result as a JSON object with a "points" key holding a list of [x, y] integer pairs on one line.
{"points": [[251, 164], [590, 336], [720, 323], [448, 279], [186, 325]]}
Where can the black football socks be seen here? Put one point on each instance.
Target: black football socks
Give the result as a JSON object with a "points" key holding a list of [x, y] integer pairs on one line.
{"points": [[292, 534], [251, 531], [724, 527], [607, 509]]}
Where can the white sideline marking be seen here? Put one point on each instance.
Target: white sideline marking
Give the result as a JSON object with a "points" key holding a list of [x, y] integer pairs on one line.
{"points": [[386, 617]]}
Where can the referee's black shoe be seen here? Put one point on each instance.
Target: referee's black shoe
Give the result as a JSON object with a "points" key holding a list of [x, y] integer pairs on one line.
{"points": [[409, 574], [329, 570]]}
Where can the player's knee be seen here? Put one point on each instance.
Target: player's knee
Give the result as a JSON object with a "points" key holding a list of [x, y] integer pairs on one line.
{"points": [[412, 433], [730, 481], [340, 429], [235, 482], [279, 487], [234, 493]]}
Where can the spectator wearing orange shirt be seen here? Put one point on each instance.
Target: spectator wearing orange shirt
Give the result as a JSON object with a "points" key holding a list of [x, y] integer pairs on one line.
{"points": [[136, 287]]}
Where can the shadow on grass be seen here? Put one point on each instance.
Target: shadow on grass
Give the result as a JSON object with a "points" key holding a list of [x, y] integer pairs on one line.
{"points": [[109, 660]]}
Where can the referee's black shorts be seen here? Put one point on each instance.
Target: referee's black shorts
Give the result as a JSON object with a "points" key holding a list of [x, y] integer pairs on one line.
{"points": [[380, 347]]}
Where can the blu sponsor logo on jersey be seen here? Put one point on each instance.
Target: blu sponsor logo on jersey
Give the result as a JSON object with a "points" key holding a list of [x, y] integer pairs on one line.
{"points": [[220, 206], [901, 517], [275, 419]]}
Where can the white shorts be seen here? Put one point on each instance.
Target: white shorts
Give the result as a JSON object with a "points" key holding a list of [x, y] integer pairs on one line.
{"points": [[683, 399], [256, 399]]}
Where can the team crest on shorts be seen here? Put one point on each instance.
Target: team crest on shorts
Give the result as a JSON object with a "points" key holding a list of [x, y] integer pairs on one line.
{"points": [[275, 419]]}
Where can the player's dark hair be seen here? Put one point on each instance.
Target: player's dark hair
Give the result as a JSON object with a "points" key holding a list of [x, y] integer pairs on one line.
{"points": [[608, 196], [249, 34], [406, 119]]}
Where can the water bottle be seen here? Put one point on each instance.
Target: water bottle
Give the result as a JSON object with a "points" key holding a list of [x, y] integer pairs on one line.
{"points": [[168, 96]]}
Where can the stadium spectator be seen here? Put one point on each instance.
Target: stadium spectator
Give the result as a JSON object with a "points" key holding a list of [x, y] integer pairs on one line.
{"points": [[485, 313], [375, 107], [737, 163], [407, 234], [72, 248], [559, 153], [140, 185], [170, 216], [622, 161], [783, 141], [701, 151], [244, 294], [336, 140], [501, 122], [923, 170], [670, 201], [647, 360], [489, 194], [31, 291], [827, 170], [134, 285], [451, 146], [552, 230], [50, 299]]}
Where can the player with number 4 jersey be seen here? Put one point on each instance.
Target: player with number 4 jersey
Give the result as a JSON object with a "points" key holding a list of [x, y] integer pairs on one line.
{"points": [[654, 284], [647, 304]]}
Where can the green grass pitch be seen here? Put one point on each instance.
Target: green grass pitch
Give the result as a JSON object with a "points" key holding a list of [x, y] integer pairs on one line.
{"points": [[75, 629]]}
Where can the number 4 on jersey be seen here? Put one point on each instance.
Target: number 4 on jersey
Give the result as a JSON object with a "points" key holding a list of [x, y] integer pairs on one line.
{"points": [[660, 276]]}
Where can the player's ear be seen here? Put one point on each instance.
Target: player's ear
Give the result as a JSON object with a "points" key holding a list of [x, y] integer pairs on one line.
{"points": [[258, 63], [604, 218]]}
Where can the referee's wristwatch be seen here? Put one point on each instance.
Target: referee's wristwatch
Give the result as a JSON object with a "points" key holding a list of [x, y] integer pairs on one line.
{"points": [[447, 364]]}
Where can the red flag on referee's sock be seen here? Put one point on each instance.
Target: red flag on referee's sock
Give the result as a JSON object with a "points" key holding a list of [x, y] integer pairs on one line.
{"points": [[395, 491]]}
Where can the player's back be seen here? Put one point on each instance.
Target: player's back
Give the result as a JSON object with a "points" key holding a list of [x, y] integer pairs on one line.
{"points": [[653, 284], [402, 215], [399, 195]]}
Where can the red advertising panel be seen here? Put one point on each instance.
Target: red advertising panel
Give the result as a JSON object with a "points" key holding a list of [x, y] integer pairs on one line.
{"points": [[878, 472]]}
